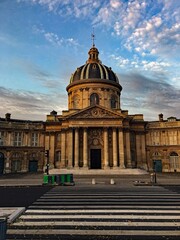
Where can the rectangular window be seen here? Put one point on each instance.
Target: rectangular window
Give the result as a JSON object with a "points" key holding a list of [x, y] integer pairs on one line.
{"points": [[34, 139], [17, 139]]}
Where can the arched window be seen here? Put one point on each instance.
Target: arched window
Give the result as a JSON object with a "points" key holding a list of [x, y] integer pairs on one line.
{"points": [[113, 102], [94, 99], [174, 161]]}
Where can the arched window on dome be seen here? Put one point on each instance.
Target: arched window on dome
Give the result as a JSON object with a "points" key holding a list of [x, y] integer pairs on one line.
{"points": [[113, 102], [94, 99]]}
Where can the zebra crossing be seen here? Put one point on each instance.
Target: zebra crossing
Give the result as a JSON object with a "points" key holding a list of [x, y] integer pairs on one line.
{"points": [[151, 214]]}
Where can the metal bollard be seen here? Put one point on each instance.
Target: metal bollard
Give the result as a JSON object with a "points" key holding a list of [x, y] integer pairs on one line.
{"points": [[153, 178], [93, 181], [112, 182]]}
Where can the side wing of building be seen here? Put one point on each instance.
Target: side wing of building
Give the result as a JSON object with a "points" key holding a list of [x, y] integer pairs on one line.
{"points": [[21, 145], [163, 145]]}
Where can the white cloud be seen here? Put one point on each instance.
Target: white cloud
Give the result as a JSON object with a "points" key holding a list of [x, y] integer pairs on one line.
{"points": [[115, 3], [55, 39], [30, 105]]}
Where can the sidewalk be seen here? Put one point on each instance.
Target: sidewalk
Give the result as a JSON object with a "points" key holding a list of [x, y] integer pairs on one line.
{"points": [[36, 179], [11, 213]]}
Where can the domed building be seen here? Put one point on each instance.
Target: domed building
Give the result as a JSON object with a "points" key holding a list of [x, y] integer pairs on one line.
{"points": [[94, 133]]}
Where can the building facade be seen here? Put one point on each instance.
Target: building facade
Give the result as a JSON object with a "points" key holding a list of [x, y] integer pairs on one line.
{"points": [[21, 145], [94, 133]]}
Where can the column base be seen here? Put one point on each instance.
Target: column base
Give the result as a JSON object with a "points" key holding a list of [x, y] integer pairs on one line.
{"points": [[129, 165], [106, 167], [122, 166], [69, 167], [115, 168], [85, 167], [76, 167]]}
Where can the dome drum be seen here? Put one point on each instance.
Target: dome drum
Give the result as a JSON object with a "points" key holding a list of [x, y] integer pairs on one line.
{"points": [[80, 95]]}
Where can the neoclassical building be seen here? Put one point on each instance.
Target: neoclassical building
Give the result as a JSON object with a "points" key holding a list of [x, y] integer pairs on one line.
{"points": [[93, 133]]}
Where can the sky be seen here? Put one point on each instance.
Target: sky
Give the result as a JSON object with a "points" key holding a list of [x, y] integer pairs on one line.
{"points": [[42, 42]]}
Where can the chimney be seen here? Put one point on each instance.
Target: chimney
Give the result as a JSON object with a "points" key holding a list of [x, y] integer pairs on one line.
{"points": [[7, 116], [161, 117], [53, 113]]}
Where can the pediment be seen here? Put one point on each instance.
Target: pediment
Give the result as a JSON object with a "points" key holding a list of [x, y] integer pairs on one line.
{"points": [[95, 112]]}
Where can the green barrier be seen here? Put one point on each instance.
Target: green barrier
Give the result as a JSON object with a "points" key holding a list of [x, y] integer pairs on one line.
{"points": [[69, 178], [45, 179], [49, 179], [64, 179]]}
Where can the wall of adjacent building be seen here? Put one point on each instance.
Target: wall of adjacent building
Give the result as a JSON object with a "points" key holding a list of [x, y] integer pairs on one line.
{"points": [[163, 144], [21, 145]]}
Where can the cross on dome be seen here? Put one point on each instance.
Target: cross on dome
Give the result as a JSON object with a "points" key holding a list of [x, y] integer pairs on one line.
{"points": [[93, 37]]}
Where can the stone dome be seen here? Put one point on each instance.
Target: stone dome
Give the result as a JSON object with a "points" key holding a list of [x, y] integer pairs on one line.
{"points": [[93, 69]]}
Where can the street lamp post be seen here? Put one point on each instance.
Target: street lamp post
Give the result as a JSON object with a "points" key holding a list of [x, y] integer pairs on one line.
{"points": [[47, 164]]}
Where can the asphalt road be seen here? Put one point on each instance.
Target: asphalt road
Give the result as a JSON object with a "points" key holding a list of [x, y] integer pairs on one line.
{"points": [[24, 196], [94, 198], [21, 196]]}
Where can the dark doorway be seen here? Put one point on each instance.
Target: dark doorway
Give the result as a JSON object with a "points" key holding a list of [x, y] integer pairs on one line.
{"points": [[33, 166], [95, 158], [157, 165], [1, 163]]}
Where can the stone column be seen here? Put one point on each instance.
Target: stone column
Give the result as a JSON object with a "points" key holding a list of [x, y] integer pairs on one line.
{"points": [[9, 142], [70, 148], [114, 148], [121, 148], [63, 148], [138, 150], [27, 137], [106, 150], [85, 149], [143, 151], [76, 149], [128, 149]]}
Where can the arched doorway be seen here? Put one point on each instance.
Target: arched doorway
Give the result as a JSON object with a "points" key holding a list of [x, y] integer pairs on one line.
{"points": [[33, 162], [1, 163], [174, 161], [157, 162]]}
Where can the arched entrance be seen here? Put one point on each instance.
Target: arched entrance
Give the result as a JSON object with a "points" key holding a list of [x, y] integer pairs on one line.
{"points": [[1, 163], [157, 162], [95, 158]]}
